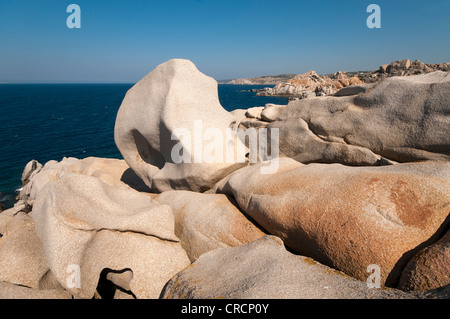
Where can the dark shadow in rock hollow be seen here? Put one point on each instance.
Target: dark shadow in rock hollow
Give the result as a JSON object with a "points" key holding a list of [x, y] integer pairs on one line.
{"points": [[130, 178], [107, 289]]}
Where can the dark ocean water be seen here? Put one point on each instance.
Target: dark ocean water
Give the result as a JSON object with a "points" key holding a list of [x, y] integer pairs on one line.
{"points": [[51, 121]]}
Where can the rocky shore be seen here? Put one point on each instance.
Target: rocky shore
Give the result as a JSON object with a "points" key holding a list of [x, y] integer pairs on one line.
{"points": [[263, 80], [357, 207], [311, 84]]}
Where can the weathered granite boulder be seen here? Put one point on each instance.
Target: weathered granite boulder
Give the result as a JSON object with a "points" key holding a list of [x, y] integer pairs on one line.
{"points": [[12, 291], [204, 222], [254, 112], [111, 171], [29, 169], [170, 109], [252, 123], [401, 119], [239, 115], [22, 259], [264, 269], [86, 226], [348, 217], [429, 268], [353, 90], [271, 112]]}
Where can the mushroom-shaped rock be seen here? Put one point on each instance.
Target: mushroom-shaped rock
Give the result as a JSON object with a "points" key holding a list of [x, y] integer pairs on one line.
{"points": [[165, 124]]}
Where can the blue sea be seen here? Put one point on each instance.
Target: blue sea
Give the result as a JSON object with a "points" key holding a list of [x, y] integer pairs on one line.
{"points": [[51, 121]]}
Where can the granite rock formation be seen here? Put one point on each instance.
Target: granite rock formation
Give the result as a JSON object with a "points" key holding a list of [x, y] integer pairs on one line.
{"points": [[357, 206]]}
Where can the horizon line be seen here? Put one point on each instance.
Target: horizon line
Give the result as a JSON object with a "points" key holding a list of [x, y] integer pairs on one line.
{"points": [[34, 83], [84, 83]]}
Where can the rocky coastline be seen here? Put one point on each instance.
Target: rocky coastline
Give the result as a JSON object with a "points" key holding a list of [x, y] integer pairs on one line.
{"points": [[310, 84], [357, 206], [262, 80]]}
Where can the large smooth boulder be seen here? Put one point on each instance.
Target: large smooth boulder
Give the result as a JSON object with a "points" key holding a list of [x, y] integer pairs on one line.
{"points": [[271, 112], [205, 222], [254, 112], [402, 119], [170, 113], [22, 259], [29, 169], [348, 217], [87, 226], [264, 269]]}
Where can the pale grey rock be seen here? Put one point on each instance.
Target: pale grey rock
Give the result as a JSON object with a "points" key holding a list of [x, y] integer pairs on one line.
{"points": [[109, 170], [7, 217], [254, 112], [264, 269], [174, 96], [121, 279], [205, 222], [86, 225], [253, 123], [239, 116], [271, 112], [353, 90], [49, 282], [37, 179], [29, 169], [401, 119], [22, 259], [299, 140]]}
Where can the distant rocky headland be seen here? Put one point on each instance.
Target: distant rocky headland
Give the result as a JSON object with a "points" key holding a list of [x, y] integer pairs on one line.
{"points": [[310, 84], [261, 80], [346, 197]]}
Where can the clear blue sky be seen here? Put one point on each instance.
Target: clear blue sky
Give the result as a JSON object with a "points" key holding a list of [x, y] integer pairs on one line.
{"points": [[121, 41]]}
